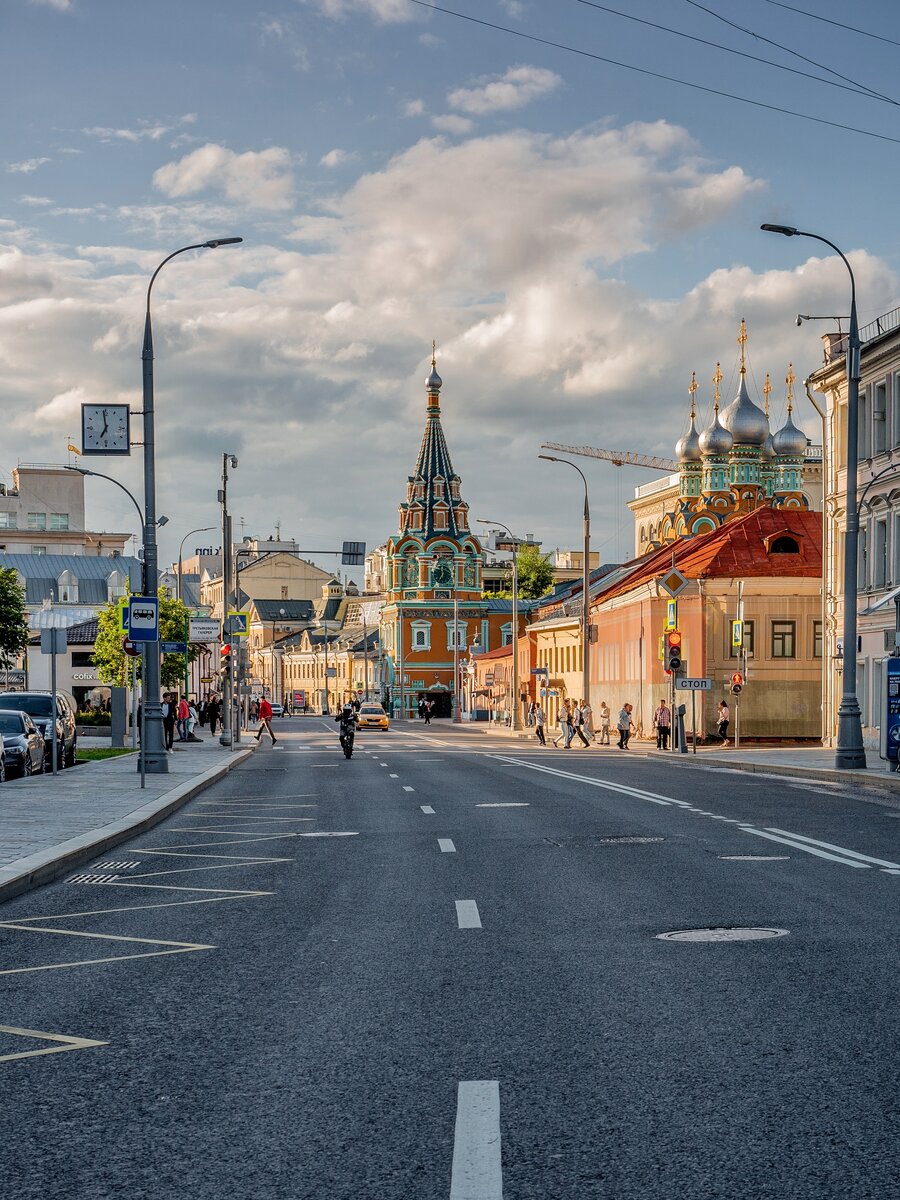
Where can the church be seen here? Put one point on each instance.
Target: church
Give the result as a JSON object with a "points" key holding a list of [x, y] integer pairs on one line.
{"points": [[434, 609]]}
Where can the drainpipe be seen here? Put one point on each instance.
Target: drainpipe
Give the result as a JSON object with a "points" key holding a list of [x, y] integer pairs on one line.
{"points": [[826, 675]]}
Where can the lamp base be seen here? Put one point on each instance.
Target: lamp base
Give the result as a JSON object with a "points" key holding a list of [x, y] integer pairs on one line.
{"points": [[850, 753]]}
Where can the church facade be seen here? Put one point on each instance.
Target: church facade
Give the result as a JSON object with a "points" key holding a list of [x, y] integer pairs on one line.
{"points": [[434, 610]]}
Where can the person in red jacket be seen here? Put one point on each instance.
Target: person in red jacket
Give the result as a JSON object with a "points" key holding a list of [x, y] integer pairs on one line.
{"points": [[265, 719]]}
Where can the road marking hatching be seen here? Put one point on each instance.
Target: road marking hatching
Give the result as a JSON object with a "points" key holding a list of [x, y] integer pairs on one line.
{"points": [[798, 841], [467, 914], [66, 1043], [477, 1172]]}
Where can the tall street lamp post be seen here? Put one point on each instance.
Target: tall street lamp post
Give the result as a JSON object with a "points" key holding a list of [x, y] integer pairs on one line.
{"points": [[515, 542], [187, 629], [154, 744], [585, 584], [850, 754], [225, 738]]}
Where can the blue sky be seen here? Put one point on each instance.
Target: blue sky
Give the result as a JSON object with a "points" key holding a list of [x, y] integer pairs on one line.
{"points": [[577, 237]]}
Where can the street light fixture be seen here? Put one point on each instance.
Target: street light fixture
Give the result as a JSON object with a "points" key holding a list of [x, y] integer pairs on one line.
{"points": [[160, 521], [516, 542], [227, 735], [190, 533], [585, 583], [850, 754]]}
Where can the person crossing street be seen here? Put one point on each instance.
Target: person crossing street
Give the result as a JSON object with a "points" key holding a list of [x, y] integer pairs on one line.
{"points": [[265, 719]]}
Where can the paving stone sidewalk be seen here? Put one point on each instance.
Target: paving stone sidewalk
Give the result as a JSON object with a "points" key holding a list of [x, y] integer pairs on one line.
{"points": [[48, 825]]}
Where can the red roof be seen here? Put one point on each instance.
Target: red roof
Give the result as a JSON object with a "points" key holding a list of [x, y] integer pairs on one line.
{"points": [[739, 549], [500, 652]]}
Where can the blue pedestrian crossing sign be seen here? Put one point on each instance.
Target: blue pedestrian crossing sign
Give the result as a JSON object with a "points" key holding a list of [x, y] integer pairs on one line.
{"points": [[143, 619], [238, 624]]}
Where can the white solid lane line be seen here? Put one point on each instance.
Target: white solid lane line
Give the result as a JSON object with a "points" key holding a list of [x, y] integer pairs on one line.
{"points": [[446, 845], [477, 1172], [505, 804], [349, 833], [426, 808], [771, 837], [467, 914], [653, 797], [877, 862]]}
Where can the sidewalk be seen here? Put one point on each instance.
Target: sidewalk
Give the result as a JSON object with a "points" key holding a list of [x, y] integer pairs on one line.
{"points": [[49, 825]]}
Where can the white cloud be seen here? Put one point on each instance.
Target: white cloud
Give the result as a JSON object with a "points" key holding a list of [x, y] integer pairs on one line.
{"points": [[453, 123], [383, 10], [59, 5], [28, 166], [515, 8], [146, 131], [414, 108], [337, 157], [259, 179], [503, 93], [35, 201]]}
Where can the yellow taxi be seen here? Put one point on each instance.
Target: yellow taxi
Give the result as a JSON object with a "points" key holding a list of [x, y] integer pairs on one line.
{"points": [[371, 716]]}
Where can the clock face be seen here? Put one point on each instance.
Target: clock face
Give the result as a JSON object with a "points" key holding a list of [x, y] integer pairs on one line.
{"points": [[105, 429]]}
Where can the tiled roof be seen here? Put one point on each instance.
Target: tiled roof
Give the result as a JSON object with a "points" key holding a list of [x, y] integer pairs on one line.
{"points": [[82, 634], [735, 550]]}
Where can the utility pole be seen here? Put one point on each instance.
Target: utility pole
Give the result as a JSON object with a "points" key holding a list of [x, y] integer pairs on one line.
{"points": [[226, 738]]}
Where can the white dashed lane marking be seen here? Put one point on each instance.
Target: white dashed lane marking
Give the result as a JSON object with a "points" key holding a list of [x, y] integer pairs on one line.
{"points": [[477, 1172], [426, 808], [467, 914], [446, 846]]}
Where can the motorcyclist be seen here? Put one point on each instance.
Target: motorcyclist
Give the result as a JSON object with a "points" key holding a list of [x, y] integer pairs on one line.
{"points": [[347, 719]]}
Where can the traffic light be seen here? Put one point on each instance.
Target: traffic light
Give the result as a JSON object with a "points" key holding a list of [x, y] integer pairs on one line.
{"points": [[737, 683], [673, 651], [225, 661]]}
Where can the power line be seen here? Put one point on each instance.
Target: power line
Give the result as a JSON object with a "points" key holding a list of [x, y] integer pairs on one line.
{"points": [[839, 24], [796, 53], [859, 90], [699, 87]]}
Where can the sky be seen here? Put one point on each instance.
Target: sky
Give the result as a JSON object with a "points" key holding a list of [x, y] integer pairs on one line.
{"points": [[575, 227]]}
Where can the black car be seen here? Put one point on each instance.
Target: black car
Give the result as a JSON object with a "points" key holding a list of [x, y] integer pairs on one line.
{"points": [[39, 706], [23, 746]]}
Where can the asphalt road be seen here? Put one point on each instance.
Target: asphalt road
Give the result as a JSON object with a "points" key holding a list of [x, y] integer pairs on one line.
{"points": [[434, 972]]}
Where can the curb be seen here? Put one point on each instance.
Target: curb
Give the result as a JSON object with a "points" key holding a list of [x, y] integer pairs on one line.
{"points": [[888, 782], [47, 865]]}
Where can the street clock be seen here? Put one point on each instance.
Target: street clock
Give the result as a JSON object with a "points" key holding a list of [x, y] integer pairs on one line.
{"points": [[105, 429]]}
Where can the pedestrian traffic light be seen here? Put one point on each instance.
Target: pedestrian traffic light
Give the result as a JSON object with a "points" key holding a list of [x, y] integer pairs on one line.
{"points": [[737, 683], [673, 651], [225, 661]]}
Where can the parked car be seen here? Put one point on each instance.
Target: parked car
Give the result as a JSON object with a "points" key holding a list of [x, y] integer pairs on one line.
{"points": [[39, 706], [372, 716], [23, 745]]}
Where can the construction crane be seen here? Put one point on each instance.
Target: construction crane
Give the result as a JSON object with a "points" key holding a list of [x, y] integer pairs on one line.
{"points": [[618, 458]]}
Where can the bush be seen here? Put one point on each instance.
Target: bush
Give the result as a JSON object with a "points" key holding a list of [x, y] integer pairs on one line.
{"points": [[93, 717]]}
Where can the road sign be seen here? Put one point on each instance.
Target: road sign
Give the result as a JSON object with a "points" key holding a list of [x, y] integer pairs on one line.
{"points": [[353, 554], [203, 629], [123, 603], [173, 647], [237, 624], [674, 582], [130, 648], [143, 619], [489, 680], [539, 671], [693, 685], [331, 672], [54, 641], [671, 614], [737, 634]]}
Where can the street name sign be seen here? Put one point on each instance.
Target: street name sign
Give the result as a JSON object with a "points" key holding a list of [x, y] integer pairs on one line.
{"points": [[203, 629], [693, 685], [143, 619], [173, 647], [674, 582]]}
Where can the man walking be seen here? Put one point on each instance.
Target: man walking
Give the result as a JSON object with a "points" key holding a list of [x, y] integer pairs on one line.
{"points": [[212, 714], [265, 719], [578, 722], [625, 725], [169, 717], [604, 723], [662, 719], [539, 724]]}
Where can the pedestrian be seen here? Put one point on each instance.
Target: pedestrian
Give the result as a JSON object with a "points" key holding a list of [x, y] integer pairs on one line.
{"points": [[578, 722], [202, 713], [429, 710], [539, 720], [662, 721], [566, 732], [723, 716], [168, 707], [604, 723], [192, 720], [529, 719], [213, 709], [588, 713], [625, 725], [421, 708], [264, 710], [183, 714]]}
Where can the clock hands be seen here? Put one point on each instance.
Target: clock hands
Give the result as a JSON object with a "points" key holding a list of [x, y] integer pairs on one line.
{"points": [[105, 425]]}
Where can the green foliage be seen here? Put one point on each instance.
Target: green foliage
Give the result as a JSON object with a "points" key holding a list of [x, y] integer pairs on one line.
{"points": [[113, 664], [13, 621], [535, 576], [92, 717]]}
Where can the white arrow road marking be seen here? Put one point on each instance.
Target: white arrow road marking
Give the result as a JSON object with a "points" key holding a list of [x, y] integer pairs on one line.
{"points": [[477, 1172]]}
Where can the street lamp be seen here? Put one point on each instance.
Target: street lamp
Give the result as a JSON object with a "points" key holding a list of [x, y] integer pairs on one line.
{"points": [[850, 753], [226, 736], [99, 475], [190, 533], [154, 742], [585, 585], [515, 542]]}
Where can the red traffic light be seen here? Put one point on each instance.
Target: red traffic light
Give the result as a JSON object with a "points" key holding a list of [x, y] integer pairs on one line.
{"points": [[675, 639], [225, 650], [737, 679]]}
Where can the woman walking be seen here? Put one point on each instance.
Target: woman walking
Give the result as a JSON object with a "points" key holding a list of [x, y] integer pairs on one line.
{"points": [[604, 723], [539, 724], [588, 714], [625, 725]]}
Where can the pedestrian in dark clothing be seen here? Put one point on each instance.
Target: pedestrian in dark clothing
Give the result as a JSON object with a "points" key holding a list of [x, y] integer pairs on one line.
{"points": [[170, 712], [422, 709], [578, 722], [213, 709], [429, 710], [723, 716]]}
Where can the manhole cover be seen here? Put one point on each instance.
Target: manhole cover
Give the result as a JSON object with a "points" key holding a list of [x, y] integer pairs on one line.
{"points": [[724, 934]]}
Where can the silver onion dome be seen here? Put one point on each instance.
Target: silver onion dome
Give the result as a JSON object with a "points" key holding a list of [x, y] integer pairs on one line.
{"points": [[688, 447], [434, 382], [745, 420], [790, 442], [716, 440], [768, 448]]}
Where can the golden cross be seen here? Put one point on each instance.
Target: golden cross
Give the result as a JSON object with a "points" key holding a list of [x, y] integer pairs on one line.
{"points": [[717, 379], [742, 338], [692, 387], [790, 386], [767, 388]]}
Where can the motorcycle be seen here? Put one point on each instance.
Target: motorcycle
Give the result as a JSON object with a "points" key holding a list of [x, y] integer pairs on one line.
{"points": [[347, 742]]}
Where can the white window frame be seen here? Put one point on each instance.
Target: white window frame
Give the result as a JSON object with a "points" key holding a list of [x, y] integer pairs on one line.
{"points": [[419, 635], [9, 520], [457, 636], [59, 522], [506, 634], [37, 521]]}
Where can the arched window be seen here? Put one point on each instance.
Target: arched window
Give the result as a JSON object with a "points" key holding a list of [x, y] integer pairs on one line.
{"points": [[785, 545], [68, 588]]}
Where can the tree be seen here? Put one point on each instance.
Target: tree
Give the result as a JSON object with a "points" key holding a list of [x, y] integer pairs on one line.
{"points": [[13, 621], [535, 573], [114, 665]]}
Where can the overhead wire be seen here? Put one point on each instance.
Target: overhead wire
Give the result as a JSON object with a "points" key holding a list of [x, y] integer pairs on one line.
{"points": [[787, 49], [856, 88], [840, 24], [699, 87]]}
